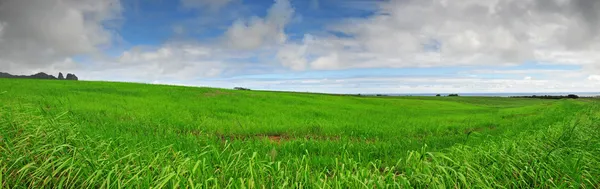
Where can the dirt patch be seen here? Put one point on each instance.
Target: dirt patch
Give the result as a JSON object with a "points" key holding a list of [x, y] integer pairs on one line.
{"points": [[476, 129], [216, 93], [193, 132], [282, 138], [126, 118], [518, 115], [276, 138], [316, 137], [479, 129]]}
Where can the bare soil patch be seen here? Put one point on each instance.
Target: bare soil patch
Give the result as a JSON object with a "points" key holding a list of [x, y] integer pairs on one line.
{"points": [[480, 129], [282, 138], [512, 116]]}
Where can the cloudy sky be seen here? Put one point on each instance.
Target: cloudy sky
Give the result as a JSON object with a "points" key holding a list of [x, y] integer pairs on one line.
{"points": [[336, 46]]}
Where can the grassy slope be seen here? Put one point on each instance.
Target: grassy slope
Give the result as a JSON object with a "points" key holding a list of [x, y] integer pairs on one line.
{"points": [[137, 122]]}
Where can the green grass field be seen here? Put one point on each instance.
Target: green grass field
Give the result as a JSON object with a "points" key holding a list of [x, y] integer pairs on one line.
{"points": [[76, 134]]}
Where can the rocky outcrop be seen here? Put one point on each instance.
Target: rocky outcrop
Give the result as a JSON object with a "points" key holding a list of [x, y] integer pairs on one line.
{"points": [[40, 75], [71, 77]]}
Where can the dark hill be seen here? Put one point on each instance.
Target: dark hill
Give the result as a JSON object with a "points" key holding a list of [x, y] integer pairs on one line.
{"points": [[40, 75]]}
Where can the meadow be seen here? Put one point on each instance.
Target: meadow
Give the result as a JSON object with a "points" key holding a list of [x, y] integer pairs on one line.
{"points": [[80, 134]]}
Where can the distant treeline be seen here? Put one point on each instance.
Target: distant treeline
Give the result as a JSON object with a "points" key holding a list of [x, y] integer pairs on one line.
{"points": [[572, 96], [241, 88], [40, 75], [389, 95]]}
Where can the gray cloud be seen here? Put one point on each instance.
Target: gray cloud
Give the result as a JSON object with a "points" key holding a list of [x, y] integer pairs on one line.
{"points": [[469, 32], [46, 33]]}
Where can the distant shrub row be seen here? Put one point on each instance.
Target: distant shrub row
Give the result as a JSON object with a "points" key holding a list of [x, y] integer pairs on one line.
{"points": [[385, 95], [241, 88], [448, 95], [571, 96]]}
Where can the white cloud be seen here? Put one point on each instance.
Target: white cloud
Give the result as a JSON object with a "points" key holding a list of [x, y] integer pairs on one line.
{"points": [[176, 62], [514, 71], [418, 84], [37, 33], [294, 55], [179, 61], [594, 78], [415, 33], [329, 62], [256, 32]]}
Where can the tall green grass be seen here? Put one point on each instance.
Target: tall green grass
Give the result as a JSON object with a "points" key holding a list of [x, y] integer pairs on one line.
{"points": [[52, 135]]}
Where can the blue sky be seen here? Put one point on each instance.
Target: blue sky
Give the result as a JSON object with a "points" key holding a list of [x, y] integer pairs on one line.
{"points": [[152, 22], [335, 46]]}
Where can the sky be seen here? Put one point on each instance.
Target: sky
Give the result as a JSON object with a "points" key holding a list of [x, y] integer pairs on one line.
{"points": [[331, 46]]}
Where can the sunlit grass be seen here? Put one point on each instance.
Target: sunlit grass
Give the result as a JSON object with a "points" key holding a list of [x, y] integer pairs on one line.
{"points": [[101, 135]]}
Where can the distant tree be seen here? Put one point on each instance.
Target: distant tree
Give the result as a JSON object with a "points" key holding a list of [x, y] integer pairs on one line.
{"points": [[549, 96], [453, 95], [5, 75], [572, 96], [60, 76], [438, 95], [241, 88]]}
